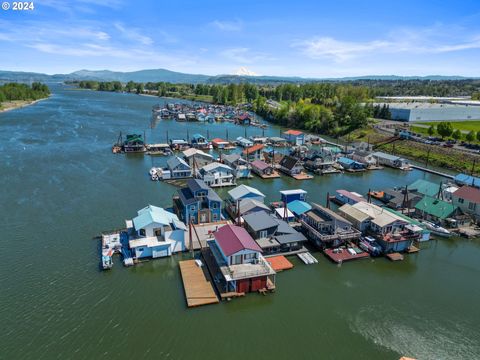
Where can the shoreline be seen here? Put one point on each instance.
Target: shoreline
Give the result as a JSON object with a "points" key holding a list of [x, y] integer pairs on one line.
{"points": [[20, 104]]}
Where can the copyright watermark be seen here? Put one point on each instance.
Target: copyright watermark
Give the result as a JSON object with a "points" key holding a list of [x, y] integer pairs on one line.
{"points": [[18, 5]]}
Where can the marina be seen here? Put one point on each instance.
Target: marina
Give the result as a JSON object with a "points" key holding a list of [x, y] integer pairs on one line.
{"points": [[117, 186]]}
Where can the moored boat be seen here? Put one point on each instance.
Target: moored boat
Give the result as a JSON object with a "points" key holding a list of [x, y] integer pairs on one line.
{"points": [[436, 229]]}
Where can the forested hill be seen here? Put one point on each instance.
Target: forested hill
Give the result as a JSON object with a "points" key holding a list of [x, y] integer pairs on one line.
{"points": [[14, 91]]}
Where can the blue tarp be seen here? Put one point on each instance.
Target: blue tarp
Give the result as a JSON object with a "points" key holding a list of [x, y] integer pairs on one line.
{"points": [[464, 179]]}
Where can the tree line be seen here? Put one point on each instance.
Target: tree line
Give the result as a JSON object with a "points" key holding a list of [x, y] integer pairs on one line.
{"points": [[16, 91]]}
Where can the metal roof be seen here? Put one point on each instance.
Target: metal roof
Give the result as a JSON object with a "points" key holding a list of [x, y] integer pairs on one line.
{"points": [[260, 220], [232, 239], [153, 214], [299, 207], [424, 187], [244, 190], [436, 207]]}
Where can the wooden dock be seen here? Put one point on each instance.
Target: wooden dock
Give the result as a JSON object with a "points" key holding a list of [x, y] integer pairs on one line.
{"points": [[197, 284], [273, 175], [302, 176], [395, 256]]}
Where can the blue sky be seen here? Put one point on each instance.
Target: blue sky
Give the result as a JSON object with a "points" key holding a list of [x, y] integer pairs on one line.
{"points": [[295, 38]]}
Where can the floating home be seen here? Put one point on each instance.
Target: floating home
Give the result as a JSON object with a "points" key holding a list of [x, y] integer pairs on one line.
{"points": [[243, 142], [348, 197], [291, 166], [272, 234], [325, 228], [134, 143], [264, 170], [200, 142], [216, 175], [176, 168], [197, 203], [390, 230], [287, 196], [237, 196], [440, 212], [253, 152], [363, 157], [240, 166], [467, 199], [218, 143], [276, 141], [294, 137], [179, 144], [155, 232], [351, 165], [197, 158], [321, 161], [391, 161], [237, 262]]}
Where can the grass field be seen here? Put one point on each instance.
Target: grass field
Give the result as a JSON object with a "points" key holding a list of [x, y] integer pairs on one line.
{"points": [[461, 125]]}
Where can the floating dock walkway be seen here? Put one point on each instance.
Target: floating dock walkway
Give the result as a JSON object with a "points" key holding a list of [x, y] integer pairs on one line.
{"points": [[432, 171], [197, 284]]}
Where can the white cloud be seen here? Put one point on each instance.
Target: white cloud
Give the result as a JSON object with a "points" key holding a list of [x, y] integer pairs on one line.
{"points": [[133, 34], [338, 50], [236, 25], [433, 40]]}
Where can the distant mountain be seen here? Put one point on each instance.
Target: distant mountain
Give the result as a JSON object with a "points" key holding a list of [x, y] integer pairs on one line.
{"points": [[157, 75], [154, 75]]}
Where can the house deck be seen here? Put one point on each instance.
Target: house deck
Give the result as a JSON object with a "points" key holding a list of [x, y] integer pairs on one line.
{"points": [[344, 256], [273, 175], [302, 176], [197, 284], [205, 232]]}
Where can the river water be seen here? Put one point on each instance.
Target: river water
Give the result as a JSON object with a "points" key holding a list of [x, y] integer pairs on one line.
{"points": [[61, 186]]}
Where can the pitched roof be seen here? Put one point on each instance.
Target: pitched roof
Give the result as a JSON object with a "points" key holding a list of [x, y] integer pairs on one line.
{"points": [[253, 149], [436, 207], [243, 190], [153, 214], [231, 157], [192, 151], [469, 193], [290, 238], [215, 165], [173, 162], [232, 239], [260, 220], [424, 187], [289, 162], [249, 204], [196, 184], [354, 213], [299, 207], [383, 155], [351, 195], [259, 164], [218, 140], [293, 132]]}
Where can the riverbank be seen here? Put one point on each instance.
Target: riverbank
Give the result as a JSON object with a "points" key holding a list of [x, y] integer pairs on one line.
{"points": [[424, 154], [17, 104]]}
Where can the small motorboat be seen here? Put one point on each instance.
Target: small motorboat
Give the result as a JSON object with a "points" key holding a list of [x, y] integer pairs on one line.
{"points": [[369, 245], [153, 171], [436, 229]]}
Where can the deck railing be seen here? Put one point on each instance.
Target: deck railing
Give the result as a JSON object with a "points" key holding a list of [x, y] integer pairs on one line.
{"points": [[351, 234]]}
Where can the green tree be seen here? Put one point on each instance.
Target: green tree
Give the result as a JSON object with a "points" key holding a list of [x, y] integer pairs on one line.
{"points": [[445, 129], [470, 136], [431, 130], [457, 134]]}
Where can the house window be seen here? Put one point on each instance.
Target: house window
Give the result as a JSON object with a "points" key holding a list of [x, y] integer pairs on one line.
{"points": [[262, 234], [472, 206], [461, 201], [214, 205], [215, 217], [237, 259], [192, 208], [250, 256], [142, 232]]}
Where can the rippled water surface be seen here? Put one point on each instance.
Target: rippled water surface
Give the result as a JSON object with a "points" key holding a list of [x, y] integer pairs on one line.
{"points": [[60, 186]]}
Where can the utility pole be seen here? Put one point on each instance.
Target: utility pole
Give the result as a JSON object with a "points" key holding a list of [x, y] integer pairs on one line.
{"points": [[473, 167]]}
